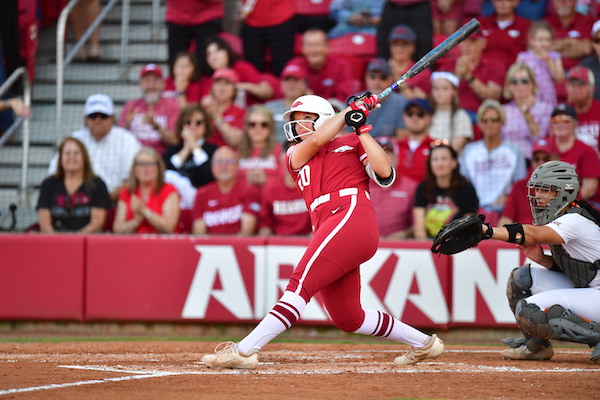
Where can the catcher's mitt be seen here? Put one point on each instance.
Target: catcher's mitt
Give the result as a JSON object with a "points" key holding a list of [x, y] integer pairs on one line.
{"points": [[459, 235]]}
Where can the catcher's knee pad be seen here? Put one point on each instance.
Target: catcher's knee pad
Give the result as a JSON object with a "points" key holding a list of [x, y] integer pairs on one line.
{"points": [[564, 325], [532, 320], [519, 285]]}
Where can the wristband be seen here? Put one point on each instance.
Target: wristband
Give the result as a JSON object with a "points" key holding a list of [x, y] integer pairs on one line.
{"points": [[489, 232], [516, 234]]}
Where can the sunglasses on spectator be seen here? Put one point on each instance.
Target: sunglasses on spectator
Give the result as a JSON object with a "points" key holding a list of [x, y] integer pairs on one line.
{"points": [[576, 82], [146, 163], [226, 161], [254, 124], [523, 81], [487, 120], [378, 76], [196, 122], [97, 115], [561, 119], [411, 113]]}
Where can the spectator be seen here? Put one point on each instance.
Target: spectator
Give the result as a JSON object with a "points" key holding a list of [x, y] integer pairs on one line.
{"points": [[504, 32], [293, 85], [450, 124], [393, 204], [259, 148], [447, 16], [17, 106], [229, 205], [226, 116], [327, 76], [313, 14], [111, 148], [570, 149], [414, 13], [532, 10], [252, 87], [573, 32], [516, 207], [151, 118], [355, 16], [593, 62], [192, 21], [527, 117], [545, 63], [147, 204], [580, 92], [268, 24], [402, 42], [83, 14], [481, 78], [413, 150], [444, 195], [184, 82], [73, 199], [492, 164], [191, 157], [283, 211]]}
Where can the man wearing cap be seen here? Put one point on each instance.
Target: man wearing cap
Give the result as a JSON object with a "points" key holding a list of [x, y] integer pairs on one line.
{"points": [[572, 150], [394, 203], [402, 44], [516, 208], [152, 117], [293, 85], [592, 62], [110, 147], [580, 92], [572, 31], [327, 76], [413, 149]]}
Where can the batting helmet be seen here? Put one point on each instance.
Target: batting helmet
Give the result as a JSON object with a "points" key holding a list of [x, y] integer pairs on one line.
{"points": [[310, 104]]}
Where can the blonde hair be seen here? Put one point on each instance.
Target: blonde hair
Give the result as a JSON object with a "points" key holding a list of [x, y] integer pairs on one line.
{"points": [[494, 105], [132, 181], [245, 146], [512, 71]]}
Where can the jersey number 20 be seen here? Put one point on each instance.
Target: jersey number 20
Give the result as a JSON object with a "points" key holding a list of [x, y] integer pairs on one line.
{"points": [[304, 177]]}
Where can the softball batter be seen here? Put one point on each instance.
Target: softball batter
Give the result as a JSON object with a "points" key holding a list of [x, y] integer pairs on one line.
{"points": [[559, 299], [333, 175]]}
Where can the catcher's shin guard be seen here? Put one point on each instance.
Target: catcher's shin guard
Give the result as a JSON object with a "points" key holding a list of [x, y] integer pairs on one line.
{"points": [[519, 285]]}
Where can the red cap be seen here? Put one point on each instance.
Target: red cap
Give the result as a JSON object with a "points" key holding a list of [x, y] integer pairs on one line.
{"points": [[543, 146], [293, 71], [226, 73], [580, 73], [151, 69]]}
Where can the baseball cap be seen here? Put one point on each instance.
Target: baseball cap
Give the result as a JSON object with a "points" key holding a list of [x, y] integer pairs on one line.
{"points": [[387, 143], [421, 103], [449, 76], [596, 27], [402, 32], [580, 73], [543, 146], [151, 69], [99, 103], [379, 64], [293, 71], [564, 109], [226, 73]]}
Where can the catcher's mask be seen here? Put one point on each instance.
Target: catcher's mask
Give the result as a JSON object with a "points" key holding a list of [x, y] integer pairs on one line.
{"points": [[557, 176], [310, 104]]}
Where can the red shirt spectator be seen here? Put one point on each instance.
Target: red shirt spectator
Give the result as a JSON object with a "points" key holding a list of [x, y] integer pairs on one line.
{"points": [[193, 12], [265, 13], [413, 164], [579, 28], [413, 149], [503, 43]]}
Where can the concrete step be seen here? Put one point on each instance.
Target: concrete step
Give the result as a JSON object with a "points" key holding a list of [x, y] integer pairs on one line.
{"points": [[139, 13], [77, 93], [94, 72], [38, 155], [11, 176], [111, 53], [26, 215]]}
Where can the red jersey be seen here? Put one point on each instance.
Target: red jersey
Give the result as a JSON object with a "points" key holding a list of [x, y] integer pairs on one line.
{"points": [[155, 203], [516, 206], [588, 126], [192, 92], [269, 165], [579, 28], [394, 205], [267, 13], [222, 212], [337, 165], [283, 209], [333, 80], [503, 45], [585, 161], [233, 116], [193, 12], [487, 71], [413, 164]]}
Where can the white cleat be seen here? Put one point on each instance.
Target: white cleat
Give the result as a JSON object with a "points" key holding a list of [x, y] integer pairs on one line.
{"points": [[434, 348], [523, 353], [227, 356]]}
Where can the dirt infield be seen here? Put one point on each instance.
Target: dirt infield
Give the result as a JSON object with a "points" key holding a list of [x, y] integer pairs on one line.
{"points": [[172, 370]]}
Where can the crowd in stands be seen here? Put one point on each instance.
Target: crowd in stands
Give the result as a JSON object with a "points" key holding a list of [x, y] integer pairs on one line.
{"points": [[203, 150]]}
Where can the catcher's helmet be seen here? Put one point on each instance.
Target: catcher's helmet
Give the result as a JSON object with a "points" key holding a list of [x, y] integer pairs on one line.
{"points": [[552, 175], [310, 104]]}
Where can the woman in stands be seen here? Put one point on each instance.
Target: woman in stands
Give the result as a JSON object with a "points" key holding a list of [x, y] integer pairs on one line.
{"points": [[147, 204], [73, 199], [184, 82]]}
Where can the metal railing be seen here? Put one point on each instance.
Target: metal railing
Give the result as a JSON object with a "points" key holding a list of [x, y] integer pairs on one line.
{"points": [[12, 79]]}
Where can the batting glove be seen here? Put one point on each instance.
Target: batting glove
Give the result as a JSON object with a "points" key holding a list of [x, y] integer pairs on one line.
{"points": [[363, 129]]}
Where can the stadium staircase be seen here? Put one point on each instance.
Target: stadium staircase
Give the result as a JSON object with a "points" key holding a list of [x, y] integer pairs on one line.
{"points": [[109, 76]]}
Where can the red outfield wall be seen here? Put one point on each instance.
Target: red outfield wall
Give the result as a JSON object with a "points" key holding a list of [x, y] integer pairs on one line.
{"points": [[230, 279]]}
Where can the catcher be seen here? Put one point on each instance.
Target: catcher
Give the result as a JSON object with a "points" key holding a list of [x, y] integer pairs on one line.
{"points": [[558, 297]]}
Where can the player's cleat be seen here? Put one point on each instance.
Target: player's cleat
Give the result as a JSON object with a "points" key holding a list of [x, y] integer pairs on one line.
{"points": [[434, 348], [227, 356], [523, 353], [595, 356]]}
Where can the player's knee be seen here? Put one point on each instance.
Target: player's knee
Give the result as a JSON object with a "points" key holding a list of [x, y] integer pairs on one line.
{"points": [[519, 285], [532, 319], [348, 322]]}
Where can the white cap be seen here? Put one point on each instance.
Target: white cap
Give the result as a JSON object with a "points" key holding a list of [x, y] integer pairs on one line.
{"points": [[99, 103], [449, 76], [596, 27]]}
